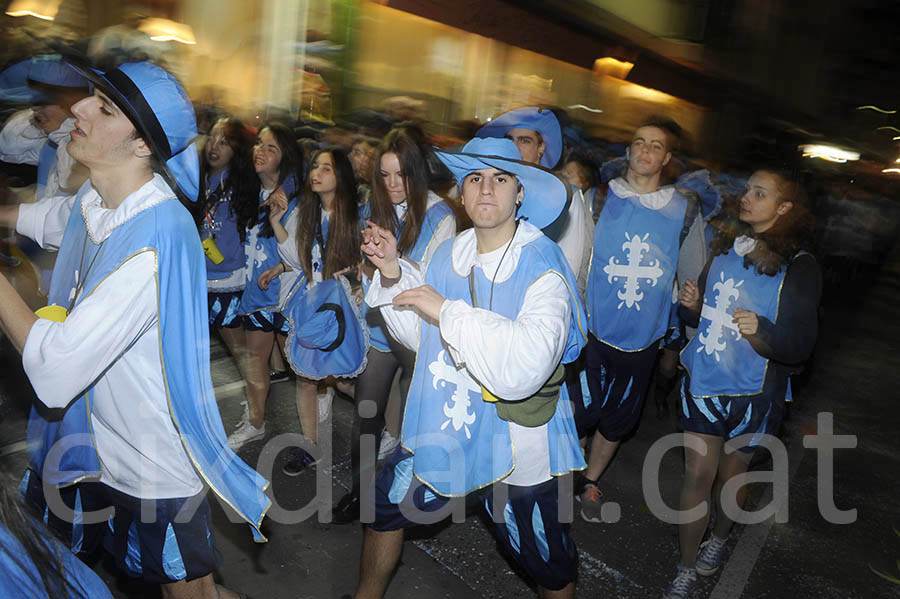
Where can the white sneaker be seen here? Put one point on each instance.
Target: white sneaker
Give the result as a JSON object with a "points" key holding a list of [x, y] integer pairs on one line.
{"points": [[325, 401], [388, 444], [244, 433]]}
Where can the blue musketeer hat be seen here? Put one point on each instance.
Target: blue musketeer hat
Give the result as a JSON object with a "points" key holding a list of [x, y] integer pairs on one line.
{"points": [[31, 81], [545, 193], [531, 117], [161, 111], [328, 335]]}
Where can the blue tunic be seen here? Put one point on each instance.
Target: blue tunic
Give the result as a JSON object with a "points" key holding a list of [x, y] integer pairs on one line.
{"points": [[459, 442], [168, 231], [220, 223], [262, 254], [719, 360], [633, 267]]}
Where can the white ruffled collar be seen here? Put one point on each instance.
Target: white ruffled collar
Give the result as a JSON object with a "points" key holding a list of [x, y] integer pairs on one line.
{"points": [[465, 254], [101, 222], [743, 245], [62, 134], [655, 200]]}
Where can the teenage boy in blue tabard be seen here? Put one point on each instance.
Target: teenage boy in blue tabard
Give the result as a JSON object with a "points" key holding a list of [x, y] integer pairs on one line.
{"points": [[123, 349], [647, 236], [493, 316]]}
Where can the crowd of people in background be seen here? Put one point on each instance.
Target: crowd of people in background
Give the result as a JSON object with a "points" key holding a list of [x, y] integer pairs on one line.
{"points": [[518, 291]]}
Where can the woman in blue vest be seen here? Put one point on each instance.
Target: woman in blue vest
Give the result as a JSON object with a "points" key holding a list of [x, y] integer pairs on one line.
{"points": [[421, 220], [229, 188], [278, 162], [755, 306], [326, 242]]}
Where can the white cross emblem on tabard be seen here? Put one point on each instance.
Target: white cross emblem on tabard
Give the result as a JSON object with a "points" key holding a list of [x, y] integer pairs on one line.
{"points": [[713, 340], [633, 271], [457, 410]]}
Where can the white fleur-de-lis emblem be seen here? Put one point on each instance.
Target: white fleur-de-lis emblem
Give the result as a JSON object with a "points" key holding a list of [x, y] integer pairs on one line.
{"points": [[714, 339], [633, 271], [255, 252], [457, 409]]}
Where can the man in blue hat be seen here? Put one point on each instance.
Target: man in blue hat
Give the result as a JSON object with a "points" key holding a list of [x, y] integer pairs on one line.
{"points": [[123, 349], [538, 136], [495, 314], [647, 235], [39, 135]]}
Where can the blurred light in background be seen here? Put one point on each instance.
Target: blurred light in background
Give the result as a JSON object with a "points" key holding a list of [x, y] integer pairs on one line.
{"points": [[829, 153], [613, 67], [891, 170], [876, 109], [166, 30], [42, 9]]}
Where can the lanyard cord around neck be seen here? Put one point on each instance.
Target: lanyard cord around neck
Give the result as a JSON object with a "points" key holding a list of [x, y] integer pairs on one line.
{"points": [[81, 273], [472, 293]]}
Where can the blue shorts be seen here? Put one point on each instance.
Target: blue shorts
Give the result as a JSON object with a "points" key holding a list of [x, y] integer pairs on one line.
{"points": [[730, 416], [617, 382], [267, 321], [160, 541], [223, 309], [527, 525]]}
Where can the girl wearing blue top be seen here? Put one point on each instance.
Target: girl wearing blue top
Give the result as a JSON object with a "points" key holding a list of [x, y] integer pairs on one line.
{"points": [[755, 309], [325, 242], [278, 162], [421, 220], [228, 189]]}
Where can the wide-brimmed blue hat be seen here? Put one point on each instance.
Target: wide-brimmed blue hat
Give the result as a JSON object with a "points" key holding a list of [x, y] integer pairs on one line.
{"points": [[531, 117], [328, 335], [17, 83], [545, 193], [162, 112]]}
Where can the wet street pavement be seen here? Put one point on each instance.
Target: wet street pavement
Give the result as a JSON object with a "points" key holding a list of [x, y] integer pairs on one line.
{"points": [[795, 554]]}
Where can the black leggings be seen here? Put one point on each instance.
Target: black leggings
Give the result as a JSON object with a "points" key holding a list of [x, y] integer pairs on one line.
{"points": [[373, 387]]}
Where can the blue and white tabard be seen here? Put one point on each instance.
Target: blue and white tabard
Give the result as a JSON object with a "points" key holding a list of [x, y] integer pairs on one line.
{"points": [[718, 359], [168, 231], [633, 267], [262, 254], [459, 442]]}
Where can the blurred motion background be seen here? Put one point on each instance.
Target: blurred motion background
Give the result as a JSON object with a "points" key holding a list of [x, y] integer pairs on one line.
{"points": [[750, 81]]}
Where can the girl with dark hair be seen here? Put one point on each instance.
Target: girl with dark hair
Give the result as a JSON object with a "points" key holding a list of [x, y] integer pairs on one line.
{"points": [[756, 311], [421, 220], [228, 187], [326, 243], [278, 162]]}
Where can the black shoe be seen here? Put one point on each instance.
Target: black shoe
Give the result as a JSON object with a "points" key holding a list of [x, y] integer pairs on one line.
{"points": [[279, 377], [346, 510], [298, 461]]}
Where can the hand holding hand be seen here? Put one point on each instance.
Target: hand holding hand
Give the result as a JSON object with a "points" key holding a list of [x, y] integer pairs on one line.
{"points": [[380, 246], [277, 203]]}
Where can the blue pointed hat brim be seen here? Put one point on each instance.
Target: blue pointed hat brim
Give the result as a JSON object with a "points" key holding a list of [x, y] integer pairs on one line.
{"points": [[545, 194], [531, 117]]}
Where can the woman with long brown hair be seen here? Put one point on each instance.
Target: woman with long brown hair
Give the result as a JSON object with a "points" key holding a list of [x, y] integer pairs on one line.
{"points": [[278, 162], [326, 243], [420, 220], [755, 307]]}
